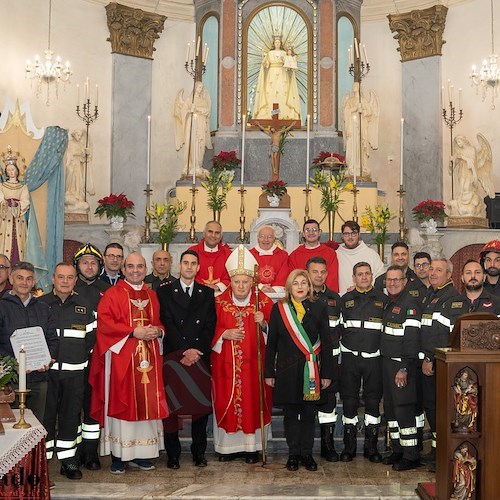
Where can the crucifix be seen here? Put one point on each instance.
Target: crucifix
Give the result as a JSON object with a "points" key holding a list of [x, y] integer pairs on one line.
{"points": [[277, 130]]}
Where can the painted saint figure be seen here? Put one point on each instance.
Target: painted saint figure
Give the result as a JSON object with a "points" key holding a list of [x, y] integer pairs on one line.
{"points": [[466, 403], [464, 475]]}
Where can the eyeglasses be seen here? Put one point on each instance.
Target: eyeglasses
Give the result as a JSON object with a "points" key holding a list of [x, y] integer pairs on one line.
{"points": [[266, 237], [311, 230], [114, 256], [350, 235], [2, 267], [393, 280], [422, 265]]}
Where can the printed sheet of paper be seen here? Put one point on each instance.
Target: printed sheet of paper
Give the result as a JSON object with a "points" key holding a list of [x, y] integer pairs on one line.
{"points": [[35, 345]]}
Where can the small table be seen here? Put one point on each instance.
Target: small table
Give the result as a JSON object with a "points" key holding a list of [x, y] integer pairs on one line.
{"points": [[23, 461]]}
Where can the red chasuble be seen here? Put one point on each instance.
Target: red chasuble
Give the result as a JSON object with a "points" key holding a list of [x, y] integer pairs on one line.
{"points": [[273, 269], [136, 384], [299, 257], [234, 370], [212, 264]]}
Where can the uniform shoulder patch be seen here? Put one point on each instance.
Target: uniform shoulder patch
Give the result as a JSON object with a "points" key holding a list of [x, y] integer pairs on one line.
{"points": [[457, 305], [396, 309], [488, 304], [378, 303], [332, 302], [80, 309], [349, 303], [414, 293]]}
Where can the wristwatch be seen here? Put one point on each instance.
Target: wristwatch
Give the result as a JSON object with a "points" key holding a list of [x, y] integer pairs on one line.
{"points": [[427, 359]]}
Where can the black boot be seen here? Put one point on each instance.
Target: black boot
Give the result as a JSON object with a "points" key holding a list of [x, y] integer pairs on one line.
{"points": [[349, 451], [371, 442], [327, 445], [420, 438]]}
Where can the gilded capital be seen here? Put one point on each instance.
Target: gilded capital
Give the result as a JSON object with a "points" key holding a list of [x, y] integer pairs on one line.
{"points": [[419, 32], [133, 31]]}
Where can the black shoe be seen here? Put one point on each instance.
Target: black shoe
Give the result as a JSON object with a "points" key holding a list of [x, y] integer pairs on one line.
{"points": [[200, 460], [372, 455], [173, 463], [428, 457], [330, 455], [70, 469], [292, 463], [229, 457], [405, 464], [431, 466], [309, 463], [252, 457], [345, 456], [392, 458], [92, 462]]}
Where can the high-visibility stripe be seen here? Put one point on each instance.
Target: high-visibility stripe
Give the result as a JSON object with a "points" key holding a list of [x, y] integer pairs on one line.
{"points": [[71, 367], [372, 325], [397, 332], [397, 359], [371, 420], [349, 421], [375, 354], [71, 333], [393, 423], [412, 322], [420, 420], [442, 319], [426, 322], [49, 454], [406, 431], [421, 355], [408, 442], [90, 427], [61, 443], [336, 352], [333, 322], [394, 435], [352, 323], [61, 455], [327, 418]]}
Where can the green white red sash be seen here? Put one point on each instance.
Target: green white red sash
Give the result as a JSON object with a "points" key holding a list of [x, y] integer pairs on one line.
{"points": [[310, 351]]}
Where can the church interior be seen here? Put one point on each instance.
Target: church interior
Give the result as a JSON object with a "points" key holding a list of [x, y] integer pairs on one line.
{"points": [[121, 118]]}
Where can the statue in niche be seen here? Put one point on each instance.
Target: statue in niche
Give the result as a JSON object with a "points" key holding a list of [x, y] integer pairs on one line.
{"points": [[472, 170], [78, 173], [366, 111], [277, 83], [466, 402], [464, 473], [192, 128], [14, 203]]}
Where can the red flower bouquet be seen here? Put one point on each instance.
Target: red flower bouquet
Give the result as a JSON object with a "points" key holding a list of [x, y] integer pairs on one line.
{"points": [[429, 209], [324, 155], [226, 160], [115, 205], [272, 188]]}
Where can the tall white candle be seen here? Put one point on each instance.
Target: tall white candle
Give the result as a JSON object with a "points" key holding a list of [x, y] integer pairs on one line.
{"points": [[459, 98], [194, 149], [187, 52], [402, 141], [87, 95], [308, 129], [206, 54], [78, 94], [198, 47], [243, 131], [148, 164], [22, 369], [356, 47], [349, 55], [97, 95], [364, 52], [354, 146], [442, 96], [449, 90]]}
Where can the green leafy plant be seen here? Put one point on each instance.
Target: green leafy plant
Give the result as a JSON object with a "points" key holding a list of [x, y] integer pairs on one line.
{"points": [[8, 370], [166, 218], [331, 187], [377, 220], [217, 185]]}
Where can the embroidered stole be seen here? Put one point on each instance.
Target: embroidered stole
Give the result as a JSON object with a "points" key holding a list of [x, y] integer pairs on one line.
{"points": [[311, 387]]}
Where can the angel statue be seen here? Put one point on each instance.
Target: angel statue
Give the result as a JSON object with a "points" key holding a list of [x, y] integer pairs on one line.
{"points": [[192, 128], [367, 113], [472, 172]]}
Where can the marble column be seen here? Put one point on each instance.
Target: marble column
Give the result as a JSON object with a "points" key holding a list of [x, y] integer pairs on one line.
{"points": [[419, 34], [132, 36]]}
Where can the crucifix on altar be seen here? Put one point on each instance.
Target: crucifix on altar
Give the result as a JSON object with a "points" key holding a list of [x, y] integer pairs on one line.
{"points": [[277, 130]]}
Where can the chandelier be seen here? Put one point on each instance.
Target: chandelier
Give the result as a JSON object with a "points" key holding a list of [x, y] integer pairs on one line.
{"points": [[489, 74], [48, 71]]}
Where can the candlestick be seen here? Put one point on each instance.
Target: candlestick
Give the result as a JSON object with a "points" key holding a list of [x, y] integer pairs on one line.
{"points": [[22, 424], [148, 163], [22, 369], [308, 128], [354, 145], [402, 131], [243, 130], [195, 148]]}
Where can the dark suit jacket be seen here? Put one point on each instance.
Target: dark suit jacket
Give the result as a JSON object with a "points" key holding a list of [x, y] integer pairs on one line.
{"points": [[189, 321]]}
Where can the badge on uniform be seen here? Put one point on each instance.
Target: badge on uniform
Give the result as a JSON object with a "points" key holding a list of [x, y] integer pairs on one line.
{"points": [[411, 312], [413, 293], [349, 303], [488, 304], [378, 303], [80, 309], [434, 300], [457, 305], [396, 309], [332, 302]]}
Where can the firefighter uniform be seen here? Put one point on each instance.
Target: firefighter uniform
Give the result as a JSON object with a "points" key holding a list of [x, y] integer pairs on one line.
{"points": [[399, 347], [75, 323], [327, 414], [361, 364], [414, 286]]}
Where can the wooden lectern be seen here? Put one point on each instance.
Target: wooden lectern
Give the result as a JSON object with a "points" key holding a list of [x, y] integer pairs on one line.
{"points": [[468, 412]]}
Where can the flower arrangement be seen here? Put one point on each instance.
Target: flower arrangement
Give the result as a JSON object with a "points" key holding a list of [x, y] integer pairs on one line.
{"points": [[377, 222], [8, 370], [326, 154], [226, 160], [429, 209], [166, 218], [274, 188], [115, 205], [218, 184]]}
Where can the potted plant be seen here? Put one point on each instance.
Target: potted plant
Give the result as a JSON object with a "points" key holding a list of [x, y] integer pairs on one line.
{"points": [[8, 374], [226, 160], [165, 219], [428, 213], [275, 190], [217, 185], [117, 208], [377, 222]]}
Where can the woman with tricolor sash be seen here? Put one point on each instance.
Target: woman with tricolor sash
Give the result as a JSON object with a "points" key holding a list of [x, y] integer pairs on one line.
{"points": [[296, 367]]}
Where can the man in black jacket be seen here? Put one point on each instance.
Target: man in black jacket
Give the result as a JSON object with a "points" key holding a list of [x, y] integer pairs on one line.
{"points": [[19, 309], [75, 322], [187, 310]]}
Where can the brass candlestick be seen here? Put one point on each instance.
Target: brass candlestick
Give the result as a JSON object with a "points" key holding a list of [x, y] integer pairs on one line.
{"points": [[147, 218], [242, 238], [22, 424], [192, 231], [402, 229], [355, 192], [307, 191]]}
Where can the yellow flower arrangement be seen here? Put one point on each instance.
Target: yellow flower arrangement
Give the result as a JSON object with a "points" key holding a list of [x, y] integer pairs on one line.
{"points": [[377, 222], [165, 218]]}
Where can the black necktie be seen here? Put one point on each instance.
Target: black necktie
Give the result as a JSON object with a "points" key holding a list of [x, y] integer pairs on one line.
{"points": [[187, 291]]}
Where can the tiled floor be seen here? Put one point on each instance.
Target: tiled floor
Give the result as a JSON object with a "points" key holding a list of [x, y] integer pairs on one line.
{"points": [[238, 480]]}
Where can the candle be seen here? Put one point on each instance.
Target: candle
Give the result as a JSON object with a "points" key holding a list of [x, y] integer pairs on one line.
{"points": [[22, 369], [148, 164], [308, 128], [442, 95], [349, 54], [77, 94], [97, 95], [364, 53], [459, 98], [449, 90], [451, 95], [198, 47], [87, 96], [354, 146], [402, 130], [187, 52], [243, 131], [356, 48], [206, 55], [194, 149]]}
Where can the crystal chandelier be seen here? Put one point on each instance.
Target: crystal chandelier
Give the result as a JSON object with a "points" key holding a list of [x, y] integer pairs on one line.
{"points": [[48, 71], [489, 74]]}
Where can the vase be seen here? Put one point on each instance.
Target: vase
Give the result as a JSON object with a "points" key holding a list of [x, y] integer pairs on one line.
{"points": [[274, 200], [381, 251], [116, 222], [7, 396], [165, 245]]}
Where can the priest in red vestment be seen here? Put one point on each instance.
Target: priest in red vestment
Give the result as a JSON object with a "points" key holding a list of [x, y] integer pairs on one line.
{"points": [[213, 255], [128, 397], [272, 260], [235, 374], [313, 248]]}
